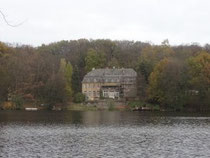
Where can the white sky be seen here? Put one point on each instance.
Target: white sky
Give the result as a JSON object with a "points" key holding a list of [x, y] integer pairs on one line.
{"points": [[180, 21]]}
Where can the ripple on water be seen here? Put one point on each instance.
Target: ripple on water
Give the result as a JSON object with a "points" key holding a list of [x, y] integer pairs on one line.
{"points": [[142, 137], [38, 140]]}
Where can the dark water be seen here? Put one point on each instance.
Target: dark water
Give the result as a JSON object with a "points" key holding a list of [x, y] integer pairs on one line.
{"points": [[103, 134]]}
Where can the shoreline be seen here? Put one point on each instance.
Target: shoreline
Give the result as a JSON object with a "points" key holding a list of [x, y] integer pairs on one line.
{"points": [[98, 107]]}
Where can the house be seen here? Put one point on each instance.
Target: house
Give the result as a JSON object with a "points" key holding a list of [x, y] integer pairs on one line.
{"points": [[110, 83]]}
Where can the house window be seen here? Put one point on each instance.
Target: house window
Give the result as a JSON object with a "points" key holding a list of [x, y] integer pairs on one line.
{"points": [[85, 93], [89, 94]]}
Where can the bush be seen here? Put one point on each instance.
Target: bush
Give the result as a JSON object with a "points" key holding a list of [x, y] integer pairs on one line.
{"points": [[134, 104], [7, 106], [140, 104], [111, 105], [79, 98], [18, 101]]}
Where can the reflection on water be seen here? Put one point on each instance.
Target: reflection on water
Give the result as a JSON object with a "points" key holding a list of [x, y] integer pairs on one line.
{"points": [[103, 134]]}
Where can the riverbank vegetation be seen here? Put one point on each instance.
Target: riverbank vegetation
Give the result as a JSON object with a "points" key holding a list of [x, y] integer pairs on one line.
{"points": [[169, 77]]}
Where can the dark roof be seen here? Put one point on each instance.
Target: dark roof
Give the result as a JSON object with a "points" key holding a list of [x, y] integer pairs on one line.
{"points": [[108, 75]]}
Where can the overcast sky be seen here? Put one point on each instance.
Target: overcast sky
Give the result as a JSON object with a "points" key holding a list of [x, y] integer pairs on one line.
{"points": [[45, 21]]}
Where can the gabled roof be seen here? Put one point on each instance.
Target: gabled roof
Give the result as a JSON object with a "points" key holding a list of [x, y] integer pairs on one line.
{"points": [[108, 75]]}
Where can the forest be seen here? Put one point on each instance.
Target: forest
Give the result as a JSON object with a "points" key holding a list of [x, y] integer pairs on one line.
{"points": [[174, 77]]}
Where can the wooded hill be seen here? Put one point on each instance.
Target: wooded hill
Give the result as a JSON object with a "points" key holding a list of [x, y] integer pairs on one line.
{"points": [[172, 76]]}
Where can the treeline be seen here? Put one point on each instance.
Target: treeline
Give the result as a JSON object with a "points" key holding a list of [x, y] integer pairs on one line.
{"points": [[174, 77]]}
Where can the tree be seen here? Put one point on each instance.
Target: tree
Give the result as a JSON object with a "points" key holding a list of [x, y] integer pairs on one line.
{"points": [[167, 84], [76, 81], [4, 84], [94, 60], [53, 73], [151, 55], [79, 97], [3, 49], [4, 75], [199, 70], [6, 21], [113, 63], [66, 70], [55, 91]]}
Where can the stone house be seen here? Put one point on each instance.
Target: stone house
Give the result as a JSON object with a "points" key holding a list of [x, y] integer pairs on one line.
{"points": [[110, 83]]}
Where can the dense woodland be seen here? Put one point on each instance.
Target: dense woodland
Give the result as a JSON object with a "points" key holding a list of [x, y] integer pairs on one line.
{"points": [[174, 77]]}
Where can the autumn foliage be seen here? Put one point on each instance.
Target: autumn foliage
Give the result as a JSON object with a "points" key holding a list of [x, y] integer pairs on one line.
{"points": [[175, 77]]}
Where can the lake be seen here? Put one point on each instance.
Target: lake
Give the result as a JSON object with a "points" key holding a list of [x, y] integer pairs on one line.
{"points": [[93, 134]]}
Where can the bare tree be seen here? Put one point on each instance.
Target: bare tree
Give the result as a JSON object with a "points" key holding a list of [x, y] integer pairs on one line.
{"points": [[8, 23]]}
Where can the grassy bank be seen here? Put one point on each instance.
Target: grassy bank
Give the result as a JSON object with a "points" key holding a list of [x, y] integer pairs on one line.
{"points": [[96, 107], [108, 105], [81, 107], [141, 105]]}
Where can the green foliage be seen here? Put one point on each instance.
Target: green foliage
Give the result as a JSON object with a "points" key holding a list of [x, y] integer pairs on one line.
{"points": [[113, 63], [111, 105], [66, 70], [3, 49], [167, 84], [53, 73], [140, 104], [55, 91], [18, 101], [134, 104], [79, 98], [155, 92], [68, 77], [199, 70], [4, 84], [58, 88], [76, 81], [151, 56], [94, 59]]}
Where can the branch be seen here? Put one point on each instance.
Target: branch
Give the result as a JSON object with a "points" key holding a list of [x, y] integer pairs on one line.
{"points": [[5, 19]]}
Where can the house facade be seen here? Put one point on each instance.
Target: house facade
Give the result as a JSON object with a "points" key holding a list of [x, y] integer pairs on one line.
{"points": [[110, 83]]}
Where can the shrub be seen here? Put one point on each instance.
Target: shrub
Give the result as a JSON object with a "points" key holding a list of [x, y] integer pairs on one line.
{"points": [[79, 98], [134, 104], [7, 106], [18, 101], [111, 105]]}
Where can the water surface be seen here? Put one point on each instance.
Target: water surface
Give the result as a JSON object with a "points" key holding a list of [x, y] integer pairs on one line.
{"points": [[103, 134]]}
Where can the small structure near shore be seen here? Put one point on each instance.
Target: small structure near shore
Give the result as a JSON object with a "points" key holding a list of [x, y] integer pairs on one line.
{"points": [[31, 109], [142, 109]]}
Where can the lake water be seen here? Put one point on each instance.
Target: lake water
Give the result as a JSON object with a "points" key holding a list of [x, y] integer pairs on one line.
{"points": [[103, 134]]}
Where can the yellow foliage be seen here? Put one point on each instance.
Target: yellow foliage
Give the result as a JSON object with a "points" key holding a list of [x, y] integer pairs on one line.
{"points": [[154, 90], [200, 68], [8, 105]]}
